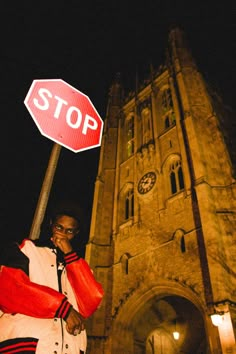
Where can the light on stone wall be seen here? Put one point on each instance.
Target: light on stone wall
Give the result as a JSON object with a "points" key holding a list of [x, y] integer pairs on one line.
{"points": [[217, 318]]}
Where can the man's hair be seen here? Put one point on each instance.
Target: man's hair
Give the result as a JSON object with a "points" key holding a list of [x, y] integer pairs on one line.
{"points": [[69, 208]]}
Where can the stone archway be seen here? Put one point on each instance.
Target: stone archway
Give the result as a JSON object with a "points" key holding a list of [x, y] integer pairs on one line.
{"points": [[146, 323], [164, 316]]}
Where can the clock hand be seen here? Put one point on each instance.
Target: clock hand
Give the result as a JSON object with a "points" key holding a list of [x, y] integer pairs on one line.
{"points": [[146, 181]]}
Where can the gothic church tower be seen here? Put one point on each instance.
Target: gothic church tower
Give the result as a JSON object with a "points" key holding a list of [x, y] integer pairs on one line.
{"points": [[162, 236]]}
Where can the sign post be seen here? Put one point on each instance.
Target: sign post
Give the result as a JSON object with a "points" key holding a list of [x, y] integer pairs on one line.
{"points": [[45, 192], [66, 116]]}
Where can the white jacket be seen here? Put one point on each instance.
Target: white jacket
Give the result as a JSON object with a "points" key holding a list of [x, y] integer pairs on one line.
{"points": [[37, 299]]}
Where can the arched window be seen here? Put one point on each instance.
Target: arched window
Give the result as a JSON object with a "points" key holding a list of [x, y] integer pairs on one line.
{"points": [[130, 136], [129, 204], [181, 178], [176, 176], [146, 123], [166, 101], [179, 236], [126, 203], [167, 108], [125, 263], [167, 122], [173, 182], [182, 244]]}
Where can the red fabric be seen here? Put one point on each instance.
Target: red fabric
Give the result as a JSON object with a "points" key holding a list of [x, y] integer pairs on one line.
{"points": [[88, 291], [19, 295], [19, 345]]}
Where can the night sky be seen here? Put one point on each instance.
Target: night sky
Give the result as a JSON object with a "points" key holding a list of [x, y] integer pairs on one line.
{"points": [[86, 44]]}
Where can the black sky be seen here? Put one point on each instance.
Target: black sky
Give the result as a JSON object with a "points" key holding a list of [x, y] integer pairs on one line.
{"points": [[86, 44]]}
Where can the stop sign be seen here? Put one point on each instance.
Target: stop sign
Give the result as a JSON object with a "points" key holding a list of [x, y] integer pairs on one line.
{"points": [[64, 114]]}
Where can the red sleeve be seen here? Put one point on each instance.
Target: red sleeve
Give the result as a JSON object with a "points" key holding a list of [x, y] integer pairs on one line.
{"points": [[19, 295], [87, 290]]}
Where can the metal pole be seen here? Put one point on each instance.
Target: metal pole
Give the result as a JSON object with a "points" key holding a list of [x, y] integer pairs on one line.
{"points": [[45, 191]]}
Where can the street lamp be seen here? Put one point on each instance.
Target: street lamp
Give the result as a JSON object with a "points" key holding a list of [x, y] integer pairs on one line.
{"points": [[175, 333], [217, 318]]}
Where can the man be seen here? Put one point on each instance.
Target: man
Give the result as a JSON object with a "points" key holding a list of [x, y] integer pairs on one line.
{"points": [[41, 302]]}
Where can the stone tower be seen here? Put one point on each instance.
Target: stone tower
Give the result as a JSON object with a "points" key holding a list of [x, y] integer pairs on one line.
{"points": [[162, 238]]}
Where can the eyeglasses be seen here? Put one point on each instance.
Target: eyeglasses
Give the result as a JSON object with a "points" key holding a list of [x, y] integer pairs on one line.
{"points": [[69, 231]]}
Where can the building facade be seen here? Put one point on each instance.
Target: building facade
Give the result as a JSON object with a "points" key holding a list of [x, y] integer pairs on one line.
{"points": [[162, 236]]}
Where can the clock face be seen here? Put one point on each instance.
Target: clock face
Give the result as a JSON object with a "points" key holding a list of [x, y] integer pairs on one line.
{"points": [[147, 182]]}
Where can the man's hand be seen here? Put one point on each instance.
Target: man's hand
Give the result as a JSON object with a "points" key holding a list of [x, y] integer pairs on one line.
{"points": [[74, 322], [61, 241]]}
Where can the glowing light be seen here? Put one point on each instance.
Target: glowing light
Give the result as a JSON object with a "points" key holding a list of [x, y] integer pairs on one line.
{"points": [[216, 319], [176, 335]]}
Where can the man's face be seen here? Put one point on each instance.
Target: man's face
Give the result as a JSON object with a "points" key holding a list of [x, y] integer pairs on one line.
{"points": [[66, 226]]}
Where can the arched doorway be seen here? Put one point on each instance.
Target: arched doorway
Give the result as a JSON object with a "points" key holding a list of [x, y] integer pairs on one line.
{"points": [[176, 326], [151, 326]]}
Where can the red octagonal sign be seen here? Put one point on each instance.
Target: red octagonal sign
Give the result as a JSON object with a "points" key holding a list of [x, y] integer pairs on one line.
{"points": [[64, 114]]}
